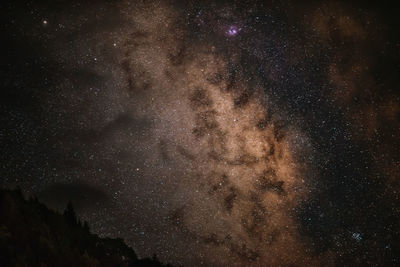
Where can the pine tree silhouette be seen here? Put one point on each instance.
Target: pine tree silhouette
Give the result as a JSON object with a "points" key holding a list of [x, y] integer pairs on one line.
{"points": [[86, 227], [69, 214]]}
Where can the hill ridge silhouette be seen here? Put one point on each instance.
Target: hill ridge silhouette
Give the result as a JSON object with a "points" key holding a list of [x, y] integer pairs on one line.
{"points": [[31, 234]]}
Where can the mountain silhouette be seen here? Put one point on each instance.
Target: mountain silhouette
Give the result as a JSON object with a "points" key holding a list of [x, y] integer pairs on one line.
{"points": [[33, 235]]}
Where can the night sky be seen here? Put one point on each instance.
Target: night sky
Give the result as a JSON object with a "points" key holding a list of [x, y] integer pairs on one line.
{"points": [[210, 132]]}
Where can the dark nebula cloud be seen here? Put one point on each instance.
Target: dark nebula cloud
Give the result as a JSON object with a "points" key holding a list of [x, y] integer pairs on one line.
{"points": [[211, 133]]}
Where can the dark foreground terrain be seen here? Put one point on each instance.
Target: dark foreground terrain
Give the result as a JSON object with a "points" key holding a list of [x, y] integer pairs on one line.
{"points": [[33, 235]]}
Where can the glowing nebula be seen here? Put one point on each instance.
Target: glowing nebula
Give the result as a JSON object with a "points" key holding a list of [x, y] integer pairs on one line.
{"points": [[233, 30]]}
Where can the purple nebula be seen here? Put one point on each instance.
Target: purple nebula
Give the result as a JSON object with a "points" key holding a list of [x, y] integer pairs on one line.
{"points": [[233, 30]]}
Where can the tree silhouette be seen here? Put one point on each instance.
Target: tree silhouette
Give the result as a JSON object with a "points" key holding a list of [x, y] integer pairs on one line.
{"points": [[69, 214]]}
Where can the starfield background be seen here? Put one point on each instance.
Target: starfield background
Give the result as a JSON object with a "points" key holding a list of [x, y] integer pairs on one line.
{"points": [[214, 133]]}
